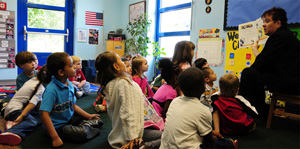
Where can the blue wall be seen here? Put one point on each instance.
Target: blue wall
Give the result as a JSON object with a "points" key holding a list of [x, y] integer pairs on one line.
{"points": [[203, 20], [116, 15]]}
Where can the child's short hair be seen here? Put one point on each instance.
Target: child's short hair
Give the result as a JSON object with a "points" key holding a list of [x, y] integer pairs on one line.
{"points": [[136, 65], [128, 55], [24, 57], [229, 85], [200, 62], [191, 82], [75, 59], [206, 71], [106, 71], [56, 61], [124, 59]]}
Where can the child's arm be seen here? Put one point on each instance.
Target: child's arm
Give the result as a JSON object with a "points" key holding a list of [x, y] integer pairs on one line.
{"points": [[81, 83], [216, 120], [56, 141], [84, 114], [26, 110], [166, 107]]}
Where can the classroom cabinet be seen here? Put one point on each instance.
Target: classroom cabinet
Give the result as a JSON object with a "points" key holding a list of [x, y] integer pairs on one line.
{"points": [[116, 46]]}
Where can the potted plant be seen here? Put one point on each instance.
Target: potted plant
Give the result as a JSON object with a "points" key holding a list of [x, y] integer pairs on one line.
{"points": [[157, 52], [137, 43]]}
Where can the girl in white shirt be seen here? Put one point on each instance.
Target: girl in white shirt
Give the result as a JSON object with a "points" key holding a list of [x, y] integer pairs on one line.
{"points": [[22, 109]]}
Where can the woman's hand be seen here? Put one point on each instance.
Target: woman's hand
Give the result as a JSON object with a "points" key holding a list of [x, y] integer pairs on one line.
{"points": [[255, 48]]}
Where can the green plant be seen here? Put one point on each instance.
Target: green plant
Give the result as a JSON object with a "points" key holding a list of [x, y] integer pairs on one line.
{"points": [[137, 43], [157, 52]]}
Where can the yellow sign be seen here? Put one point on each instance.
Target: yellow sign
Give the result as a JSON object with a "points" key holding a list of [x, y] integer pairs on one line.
{"points": [[237, 59]]}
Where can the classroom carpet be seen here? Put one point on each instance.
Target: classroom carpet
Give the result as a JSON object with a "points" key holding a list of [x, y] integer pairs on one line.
{"points": [[284, 133]]}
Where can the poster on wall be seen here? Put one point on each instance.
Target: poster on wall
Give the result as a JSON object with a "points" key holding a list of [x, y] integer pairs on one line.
{"points": [[237, 59], [81, 35], [212, 49], [209, 33], [136, 10], [250, 32], [93, 36], [7, 39]]}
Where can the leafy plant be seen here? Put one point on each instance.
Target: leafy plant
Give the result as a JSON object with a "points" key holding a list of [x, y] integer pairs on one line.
{"points": [[157, 52], [137, 44]]}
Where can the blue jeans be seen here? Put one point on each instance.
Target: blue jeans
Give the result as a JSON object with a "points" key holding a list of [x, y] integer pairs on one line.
{"points": [[85, 88], [28, 124]]}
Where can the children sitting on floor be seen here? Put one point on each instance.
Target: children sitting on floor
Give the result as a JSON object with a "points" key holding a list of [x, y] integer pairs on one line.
{"points": [[22, 110], [79, 82], [231, 112], [26, 61], [210, 88], [166, 93], [130, 112], [61, 117], [139, 67], [188, 122]]}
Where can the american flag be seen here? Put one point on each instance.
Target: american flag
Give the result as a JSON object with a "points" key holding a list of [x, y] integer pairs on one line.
{"points": [[93, 18]]}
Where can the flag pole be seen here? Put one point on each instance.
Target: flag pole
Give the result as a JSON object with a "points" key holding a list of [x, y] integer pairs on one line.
{"points": [[103, 26]]}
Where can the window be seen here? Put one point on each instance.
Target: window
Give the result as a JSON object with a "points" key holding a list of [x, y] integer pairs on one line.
{"points": [[45, 26], [173, 23]]}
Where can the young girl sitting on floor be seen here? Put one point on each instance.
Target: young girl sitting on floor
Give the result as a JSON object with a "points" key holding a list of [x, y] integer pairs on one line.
{"points": [[139, 67], [127, 107], [166, 93], [23, 108]]}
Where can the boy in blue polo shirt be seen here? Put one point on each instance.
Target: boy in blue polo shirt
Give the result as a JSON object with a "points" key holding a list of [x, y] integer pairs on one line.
{"points": [[61, 117]]}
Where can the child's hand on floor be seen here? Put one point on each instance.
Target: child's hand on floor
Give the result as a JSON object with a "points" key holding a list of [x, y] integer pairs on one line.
{"points": [[93, 116], [57, 142]]}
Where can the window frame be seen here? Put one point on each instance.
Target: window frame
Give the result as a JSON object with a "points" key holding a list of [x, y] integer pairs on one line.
{"points": [[22, 20]]}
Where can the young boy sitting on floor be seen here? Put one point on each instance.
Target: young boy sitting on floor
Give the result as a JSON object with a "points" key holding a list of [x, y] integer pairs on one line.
{"points": [[81, 85], [26, 61], [191, 119], [210, 88], [231, 112]]}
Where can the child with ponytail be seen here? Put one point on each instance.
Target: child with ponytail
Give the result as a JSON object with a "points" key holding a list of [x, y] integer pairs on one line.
{"points": [[22, 109]]}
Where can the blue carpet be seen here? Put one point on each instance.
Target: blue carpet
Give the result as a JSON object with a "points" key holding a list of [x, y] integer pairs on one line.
{"points": [[94, 88]]}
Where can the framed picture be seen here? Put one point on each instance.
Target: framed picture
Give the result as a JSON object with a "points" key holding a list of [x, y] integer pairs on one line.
{"points": [[81, 35], [93, 36], [136, 9]]}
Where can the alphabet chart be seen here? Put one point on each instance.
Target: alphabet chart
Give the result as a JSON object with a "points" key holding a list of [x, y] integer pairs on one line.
{"points": [[212, 49]]}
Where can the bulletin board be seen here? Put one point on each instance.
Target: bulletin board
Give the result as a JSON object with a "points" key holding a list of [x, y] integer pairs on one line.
{"points": [[7, 39], [237, 59], [136, 10]]}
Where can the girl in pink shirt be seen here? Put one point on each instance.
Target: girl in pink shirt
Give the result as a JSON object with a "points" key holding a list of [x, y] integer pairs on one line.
{"points": [[166, 93], [139, 67]]}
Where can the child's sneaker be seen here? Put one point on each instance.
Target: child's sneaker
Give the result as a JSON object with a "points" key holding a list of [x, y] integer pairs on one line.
{"points": [[10, 138], [79, 94], [9, 124]]}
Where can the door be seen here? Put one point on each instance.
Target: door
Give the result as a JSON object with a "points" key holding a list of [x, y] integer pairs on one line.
{"points": [[44, 27]]}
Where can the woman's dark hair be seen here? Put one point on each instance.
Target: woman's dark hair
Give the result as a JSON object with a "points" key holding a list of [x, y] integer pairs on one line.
{"points": [[44, 77], [200, 62], [278, 14], [105, 69], [182, 52], [57, 61]]}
